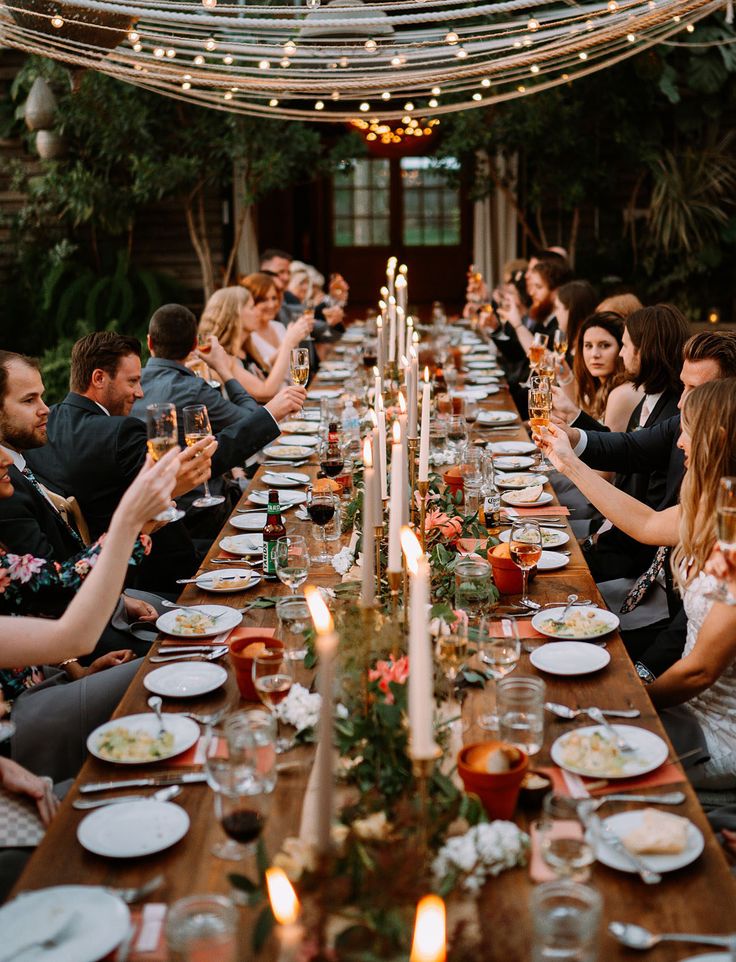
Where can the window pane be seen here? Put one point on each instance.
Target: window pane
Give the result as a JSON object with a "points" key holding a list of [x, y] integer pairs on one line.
{"points": [[361, 198], [431, 208]]}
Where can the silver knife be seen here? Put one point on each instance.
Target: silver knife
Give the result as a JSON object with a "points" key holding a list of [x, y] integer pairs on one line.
{"points": [[164, 650], [174, 778], [611, 838]]}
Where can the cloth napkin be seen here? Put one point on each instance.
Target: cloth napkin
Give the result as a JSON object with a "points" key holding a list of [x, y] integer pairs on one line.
{"points": [[20, 823], [196, 754], [575, 786], [539, 871], [523, 626], [147, 940], [543, 511]]}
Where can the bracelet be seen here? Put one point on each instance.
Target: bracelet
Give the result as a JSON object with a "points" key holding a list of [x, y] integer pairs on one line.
{"points": [[68, 661]]}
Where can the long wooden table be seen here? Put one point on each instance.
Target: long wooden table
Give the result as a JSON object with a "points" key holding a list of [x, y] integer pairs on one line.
{"points": [[700, 897]]}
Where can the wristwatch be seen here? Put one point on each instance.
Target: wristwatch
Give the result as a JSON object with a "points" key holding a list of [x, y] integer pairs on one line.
{"points": [[643, 672]]}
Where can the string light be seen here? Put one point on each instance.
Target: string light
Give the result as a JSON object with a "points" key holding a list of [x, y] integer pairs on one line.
{"points": [[335, 95], [371, 46], [385, 95], [57, 22], [289, 48], [612, 6], [533, 25], [436, 91], [209, 44], [433, 103], [227, 59], [319, 105], [409, 106], [284, 63], [690, 28], [477, 96], [133, 36], [534, 68], [485, 82], [630, 37], [199, 60], [365, 107], [273, 102], [264, 64], [583, 55], [461, 53], [452, 38]]}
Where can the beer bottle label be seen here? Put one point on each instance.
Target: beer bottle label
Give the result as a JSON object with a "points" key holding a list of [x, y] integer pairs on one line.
{"points": [[269, 558]]}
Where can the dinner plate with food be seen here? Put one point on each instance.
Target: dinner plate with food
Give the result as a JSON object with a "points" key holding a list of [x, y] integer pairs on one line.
{"points": [[569, 658], [303, 440], [185, 679], [551, 537], [473, 378], [329, 392], [226, 581], [247, 521], [288, 452], [198, 621], [518, 481], [299, 427], [511, 447], [285, 479], [530, 497], [592, 751], [513, 463], [138, 740], [664, 841], [497, 417], [582, 622], [287, 499], [133, 829]]}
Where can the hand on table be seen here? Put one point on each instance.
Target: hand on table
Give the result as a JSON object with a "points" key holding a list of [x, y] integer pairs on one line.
{"points": [[20, 781]]}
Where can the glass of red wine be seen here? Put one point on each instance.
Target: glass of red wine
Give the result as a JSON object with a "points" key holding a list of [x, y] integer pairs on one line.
{"points": [[321, 510], [331, 460], [272, 679]]}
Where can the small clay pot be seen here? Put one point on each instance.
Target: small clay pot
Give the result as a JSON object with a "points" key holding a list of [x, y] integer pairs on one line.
{"points": [[243, 664], [498, 791], [454, 480]]}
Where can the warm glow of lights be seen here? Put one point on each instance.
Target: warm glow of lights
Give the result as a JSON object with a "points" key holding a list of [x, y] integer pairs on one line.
{"points": [[273, 102], [612, 6], [452, 38], [281, 895], [335, 95], [367, 453], [429, 943], [137, 47], [133, 36], [630, 37], [400, 282], [227, 59], [412, 552], [209, 44], [477, 96], [284, 62], [371, 46], [318, 610], [583, 55], [533, 25], [343, 61], [159, 52], [289, 48], [426, 375], [319, 105], [199, 60], [57, 22], [408, 106], [365, 107], [186, 85], [534, 68], [402, 402], [433, 103], [264, 64], [385, 95], [171, 53], [396, 432], [461, 53], [690, 28]]}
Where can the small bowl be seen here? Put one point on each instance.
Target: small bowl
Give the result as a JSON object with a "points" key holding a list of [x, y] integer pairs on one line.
{"points": [[498, 791], [243, 664], [535, 785], [454, 480]]}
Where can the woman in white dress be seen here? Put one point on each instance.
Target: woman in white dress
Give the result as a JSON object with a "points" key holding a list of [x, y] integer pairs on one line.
{"points": [[704, 678], [265, 339]]}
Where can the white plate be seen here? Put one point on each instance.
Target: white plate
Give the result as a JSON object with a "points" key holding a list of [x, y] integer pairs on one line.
{"points": [[300, 427], [312, 414], [551, 537], [184, 730], [710, 957], [497, 417], [287, 499], [473, 393], [102, 922], [512, 447], [303, 440], [246, 545], [133, 829], [625, 822], [510, 498], [513, 463], [208, 580], [552, 561], [287, 479], [569, 658], [651, 751], [185, 679], [482, 379], [518, 481], [335, 374], [328, 392], [226, 618], [288, 452], [248, 522], [599, 615]]}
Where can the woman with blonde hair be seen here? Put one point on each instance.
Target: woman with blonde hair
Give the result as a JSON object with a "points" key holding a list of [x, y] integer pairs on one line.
{"points": [[229, 318], [266, 336], [704, 678]]}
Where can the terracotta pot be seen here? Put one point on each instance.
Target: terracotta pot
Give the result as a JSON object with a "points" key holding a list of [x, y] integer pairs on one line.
{"points": [[498, 791], [454, 480], [507, 576], [243, 664]]}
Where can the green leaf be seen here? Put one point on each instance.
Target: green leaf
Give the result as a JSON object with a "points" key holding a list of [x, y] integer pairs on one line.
{"points": [[668, 84], [263, 862], [263, 928], [707, 73]]}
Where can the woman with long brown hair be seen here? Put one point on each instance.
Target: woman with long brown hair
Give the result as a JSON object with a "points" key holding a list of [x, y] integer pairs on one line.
{"points": [[704, 678]]}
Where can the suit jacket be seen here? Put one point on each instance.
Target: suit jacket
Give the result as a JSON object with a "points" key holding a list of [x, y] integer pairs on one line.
{"points": [[29, 524]]}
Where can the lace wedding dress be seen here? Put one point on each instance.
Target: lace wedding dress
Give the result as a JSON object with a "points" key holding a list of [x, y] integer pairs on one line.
{"points": [[714, 708]]}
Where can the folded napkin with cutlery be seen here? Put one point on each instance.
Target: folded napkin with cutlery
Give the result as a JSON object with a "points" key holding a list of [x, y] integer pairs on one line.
{"points": [[576, 786], [523, 626], [543, 511], [147, 939]]}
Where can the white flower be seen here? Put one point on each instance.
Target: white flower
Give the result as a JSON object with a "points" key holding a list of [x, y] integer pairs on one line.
{"points": [[300, 708], [343, 561], [374, 826], [484, 850], [295, 858]]}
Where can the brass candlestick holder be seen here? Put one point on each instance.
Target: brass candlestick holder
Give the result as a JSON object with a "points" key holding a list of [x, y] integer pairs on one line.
{"points": [[422, 769], [413, 444], [394, 584], [423, 487], [378, 531]]}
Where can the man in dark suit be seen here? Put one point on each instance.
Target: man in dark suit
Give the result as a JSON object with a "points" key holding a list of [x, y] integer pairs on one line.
{"points": [[239, 423]]}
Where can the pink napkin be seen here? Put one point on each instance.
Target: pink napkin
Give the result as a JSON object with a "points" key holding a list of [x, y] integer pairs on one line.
{"points": [[196, 754], [544, 511], [147, 942], [523, 626], [575, 786], [539, 871]]}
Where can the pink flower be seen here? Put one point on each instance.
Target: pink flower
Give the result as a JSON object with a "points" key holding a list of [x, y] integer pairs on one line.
{"points": [[23, 567], [4, 580], [449, 528], [389, 671], [461, 618]]}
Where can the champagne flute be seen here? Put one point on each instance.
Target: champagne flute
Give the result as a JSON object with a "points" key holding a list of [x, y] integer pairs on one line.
{"points": [[452, 653], [540, 408], [292, 561], [537, 349], [163, 435], [272, 679], [196, 428], [559, 343], [526, 549], [726, 533], [321, 509], [299, 368], [499, 652]]}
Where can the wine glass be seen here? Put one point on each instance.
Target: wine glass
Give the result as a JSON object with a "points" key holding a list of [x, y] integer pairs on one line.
{"points": [[536, 354], [566, 837], [471, 411], [499, 650], [321, 509], [540, 408], [196, 427], [457, 434], [292, 561], [163, 435], [331, 460], [272, 679], [452, 652], [299, 368], [525, 546], [726, 533], [559, 343]]}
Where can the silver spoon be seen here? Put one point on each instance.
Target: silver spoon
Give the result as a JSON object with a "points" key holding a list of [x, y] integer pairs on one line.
{"points": [[600, 719], [637, 937], [571, 599], [155, 703], [669, 798], [199, 655], [162, 795], [562, 711]]}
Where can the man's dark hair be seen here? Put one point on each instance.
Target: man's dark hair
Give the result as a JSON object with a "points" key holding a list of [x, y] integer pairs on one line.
{"points": [[718, 346], [173, 332], [102, 350], [6, 359], [659, 334], [271, 252], [554, 272]]}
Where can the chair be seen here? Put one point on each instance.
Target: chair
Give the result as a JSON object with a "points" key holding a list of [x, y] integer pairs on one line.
{"points": [[70, 511]]}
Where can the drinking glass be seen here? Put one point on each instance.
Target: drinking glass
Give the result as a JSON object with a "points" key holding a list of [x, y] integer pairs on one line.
{"points": [[294, 620], [566, 917], [272, 679], [457, 435], [163, 435], [499, 652], [726, 533], [471, 411], [565, 837], [452, 653], [196, 427], [546, 366], [299, 368], [536, 353], [202, 927], [251, 736], [520, 702], [559, 343], [331, 463], [540, 407], [525, 546], [438, 439], [292, 561], [473, 585], [321, 509]]}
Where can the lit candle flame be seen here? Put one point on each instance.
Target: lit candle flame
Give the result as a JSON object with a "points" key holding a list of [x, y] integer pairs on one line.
{"points": [[373, 417], [384, 293], [429, 943], [402, 404], [379, 319], [397, 431], [415, 337], [281, 895], [403, 270], [382, 305], [367, 453], [426, 375], [411, 548], [318, 610], [392, 262], [400, 281]]}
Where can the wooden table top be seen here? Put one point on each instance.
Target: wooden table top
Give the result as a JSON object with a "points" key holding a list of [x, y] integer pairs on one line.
{"points": [[700, 897]]}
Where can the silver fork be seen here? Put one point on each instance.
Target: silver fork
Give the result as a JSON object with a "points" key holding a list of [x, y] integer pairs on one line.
{"points": [[135, 893], [597, 715], [200, 656], [669, 798], [563, 711]]}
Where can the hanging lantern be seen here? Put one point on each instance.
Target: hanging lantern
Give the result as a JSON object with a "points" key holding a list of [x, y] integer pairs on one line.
{"points": [[40, 108], [49, 145]]}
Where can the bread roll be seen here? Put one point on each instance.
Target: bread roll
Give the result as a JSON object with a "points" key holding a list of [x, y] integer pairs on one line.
{"points": [[659, 833]]}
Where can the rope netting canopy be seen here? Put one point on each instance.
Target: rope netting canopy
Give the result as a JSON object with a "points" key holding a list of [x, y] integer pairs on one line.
{"points": [[345, 58]]}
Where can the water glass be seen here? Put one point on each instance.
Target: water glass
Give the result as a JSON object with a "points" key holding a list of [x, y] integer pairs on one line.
{"points": [[202, 927], [457, 434], [251, 738], [520, 703], [473, 585], [438, 439], [292, 561], [499, 651], [294, 620], [566, 839], [566, 917]]}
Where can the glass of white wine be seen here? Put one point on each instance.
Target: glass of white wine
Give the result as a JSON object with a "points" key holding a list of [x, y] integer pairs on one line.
{"points": [[272, 679], [163, 435], [566, 837], [540, 409], [292, 561], [525, 546], [196, 428], [499, 652], [299, 367], [726, 533]]}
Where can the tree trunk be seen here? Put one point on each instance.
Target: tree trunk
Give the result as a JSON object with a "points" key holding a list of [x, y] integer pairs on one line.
{"points": [[540, 227], [198, 236], [572, 243], [236, 244]]}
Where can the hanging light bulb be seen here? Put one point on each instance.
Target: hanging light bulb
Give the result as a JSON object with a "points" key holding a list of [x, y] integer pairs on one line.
{"points": [[690, 28], [433, 102], [284, 62], [477, 96], [534, 68], [159, 52], [385, 95], [209, 44], [227, 59], [138, 47], [583, 55], [171, 53], [365, 107], [57, 22], [343, 61], [371, 46], [273, 102], [313, 4], [461, 53], [133, 37], [289, 48], [436, 91], [335, 95], [409, 106], [485, 82], [631, 37], [452, 38], [186, 85], [533, 25], [199, 60], [264, 64], [319, 105], [209, 4], [612, 6]]}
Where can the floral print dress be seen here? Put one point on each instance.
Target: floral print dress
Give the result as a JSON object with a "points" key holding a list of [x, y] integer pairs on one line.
{"points": [[42, 588]]}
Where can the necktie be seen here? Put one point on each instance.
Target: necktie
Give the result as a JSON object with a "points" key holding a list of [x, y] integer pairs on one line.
{"points": [[644, 582], [27, 473]]}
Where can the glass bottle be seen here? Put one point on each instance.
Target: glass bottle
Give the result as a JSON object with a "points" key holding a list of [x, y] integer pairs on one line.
{"points": [[273, 530]]}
